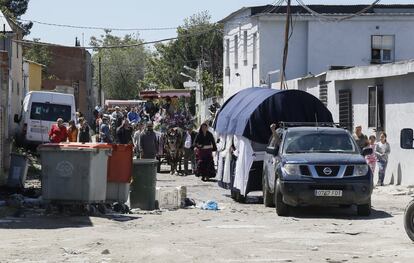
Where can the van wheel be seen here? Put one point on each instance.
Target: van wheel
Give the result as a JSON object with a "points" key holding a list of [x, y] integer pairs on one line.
{"points": [[282, 209], [268, 198], [365, 209]]}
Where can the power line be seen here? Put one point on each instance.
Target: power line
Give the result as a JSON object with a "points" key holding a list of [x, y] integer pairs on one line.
{"points": [[274, 7], [94, 27], [332, 19], [25, 42]]}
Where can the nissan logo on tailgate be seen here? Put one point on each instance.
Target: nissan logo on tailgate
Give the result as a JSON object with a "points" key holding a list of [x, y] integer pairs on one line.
{"points": [[327, 171]]}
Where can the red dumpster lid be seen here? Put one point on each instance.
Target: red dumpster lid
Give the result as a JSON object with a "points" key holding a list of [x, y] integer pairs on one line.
{"points": [[78, 145]]}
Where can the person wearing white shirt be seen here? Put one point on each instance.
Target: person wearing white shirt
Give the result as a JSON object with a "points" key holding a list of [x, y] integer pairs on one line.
{"points": [[382, 150], [189, 155]]}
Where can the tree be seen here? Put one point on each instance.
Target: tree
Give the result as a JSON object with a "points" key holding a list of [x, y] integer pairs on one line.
{"points": [[198, 43], [14, 9], [39, 54], [122, 68]]}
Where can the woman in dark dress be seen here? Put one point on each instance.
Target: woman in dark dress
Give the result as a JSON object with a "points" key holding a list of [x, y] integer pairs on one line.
{"points": [[205, 145]]}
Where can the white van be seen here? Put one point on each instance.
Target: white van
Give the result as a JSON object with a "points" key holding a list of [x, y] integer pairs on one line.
{"points": [[40, 111]]}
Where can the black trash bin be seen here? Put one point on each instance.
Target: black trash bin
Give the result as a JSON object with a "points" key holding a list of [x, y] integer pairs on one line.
{"points": [[143, 186]]}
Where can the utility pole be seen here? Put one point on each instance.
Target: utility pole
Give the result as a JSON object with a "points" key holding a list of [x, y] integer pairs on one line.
{"points": [[4, 36], [286, 49], [100, 79]]}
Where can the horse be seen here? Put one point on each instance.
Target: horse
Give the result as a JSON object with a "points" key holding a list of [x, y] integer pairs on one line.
{"points": [[174, 147]]}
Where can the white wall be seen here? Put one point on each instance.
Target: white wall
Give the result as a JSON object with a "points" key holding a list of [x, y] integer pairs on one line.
{"points": [[240, 77], [314, 46], [399, 108], [16, 87], [349, 42], [399, 112], [272, 45]]}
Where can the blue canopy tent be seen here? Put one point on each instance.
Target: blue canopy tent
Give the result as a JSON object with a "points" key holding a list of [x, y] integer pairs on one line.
{"points": [[250, 112]]}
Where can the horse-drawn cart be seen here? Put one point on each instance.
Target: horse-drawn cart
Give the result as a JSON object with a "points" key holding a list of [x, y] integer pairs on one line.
{"points": [[171, 149]]}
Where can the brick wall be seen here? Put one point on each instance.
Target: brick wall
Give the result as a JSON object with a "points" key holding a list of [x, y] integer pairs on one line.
{"points": [[69, 67]]}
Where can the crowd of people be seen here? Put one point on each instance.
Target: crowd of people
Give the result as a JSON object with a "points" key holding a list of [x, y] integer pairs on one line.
{"points": [[136, 126], [380, 152], [74, 133], [142, 126]]}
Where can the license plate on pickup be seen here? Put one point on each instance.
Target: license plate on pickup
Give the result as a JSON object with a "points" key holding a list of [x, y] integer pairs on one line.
{"points": [[335, 193]]}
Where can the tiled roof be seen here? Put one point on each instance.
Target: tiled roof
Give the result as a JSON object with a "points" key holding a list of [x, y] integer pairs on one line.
{"points": [[334, 9], [327, 9]]}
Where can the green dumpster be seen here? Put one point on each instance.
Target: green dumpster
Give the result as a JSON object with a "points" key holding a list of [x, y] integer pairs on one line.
{"points": [[144, 178]]}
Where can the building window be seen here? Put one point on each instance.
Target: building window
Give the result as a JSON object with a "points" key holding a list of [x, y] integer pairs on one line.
{"points": [[245, 47], [345, 109], [227, 58], [227, 52], [382, 49], [323, 92], [376, 107], [236, 51], [254, 49]]}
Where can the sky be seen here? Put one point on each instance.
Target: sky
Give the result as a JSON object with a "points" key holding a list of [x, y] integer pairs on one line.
{"points": [[135, 14]]}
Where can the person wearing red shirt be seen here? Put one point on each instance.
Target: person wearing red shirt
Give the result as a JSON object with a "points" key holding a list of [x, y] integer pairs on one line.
{"points": [[58, 133]]}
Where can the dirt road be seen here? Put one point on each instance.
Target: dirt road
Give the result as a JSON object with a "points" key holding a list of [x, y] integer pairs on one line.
{"points": [[237, 233]]}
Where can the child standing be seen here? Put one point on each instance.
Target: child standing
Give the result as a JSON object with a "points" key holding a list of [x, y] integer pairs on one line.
{"points": [[371, 159]]}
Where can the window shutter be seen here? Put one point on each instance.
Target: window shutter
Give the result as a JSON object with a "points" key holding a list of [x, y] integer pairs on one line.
{"points": [[345, 109], [376, 42], [323, 92]]}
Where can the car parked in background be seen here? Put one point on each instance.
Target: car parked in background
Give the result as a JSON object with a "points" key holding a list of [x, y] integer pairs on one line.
{"points": [[40, 110], [316, 166]]}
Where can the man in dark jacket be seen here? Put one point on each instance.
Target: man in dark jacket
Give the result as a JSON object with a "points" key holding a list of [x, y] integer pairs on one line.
{"points": [[124, 133], [148, 143]]}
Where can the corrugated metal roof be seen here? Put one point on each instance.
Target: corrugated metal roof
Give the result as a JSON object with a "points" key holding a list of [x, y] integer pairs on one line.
{"points": [[4, 24]]}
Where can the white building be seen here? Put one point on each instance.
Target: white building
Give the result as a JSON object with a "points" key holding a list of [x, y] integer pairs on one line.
{"points": [[254, 41], [377, 97]]}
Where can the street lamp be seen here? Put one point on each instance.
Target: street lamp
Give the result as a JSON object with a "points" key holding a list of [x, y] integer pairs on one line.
{"points": [[187, 76], [268, 76], [191, 69]]}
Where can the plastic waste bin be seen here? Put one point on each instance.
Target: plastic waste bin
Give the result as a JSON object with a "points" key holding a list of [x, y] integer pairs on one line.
{"points": [[143, 186], [119, 173], [18, 171], [73, 172]]}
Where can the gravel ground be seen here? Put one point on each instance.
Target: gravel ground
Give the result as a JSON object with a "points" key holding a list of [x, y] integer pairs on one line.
{"points": [[237, 233]]}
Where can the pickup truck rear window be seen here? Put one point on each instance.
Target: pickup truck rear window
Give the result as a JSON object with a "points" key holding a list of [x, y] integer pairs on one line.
{"points": [[50, 112], [307, 142]]}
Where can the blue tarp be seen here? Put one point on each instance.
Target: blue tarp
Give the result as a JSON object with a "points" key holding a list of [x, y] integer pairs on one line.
{"points": [[251, 111]]}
